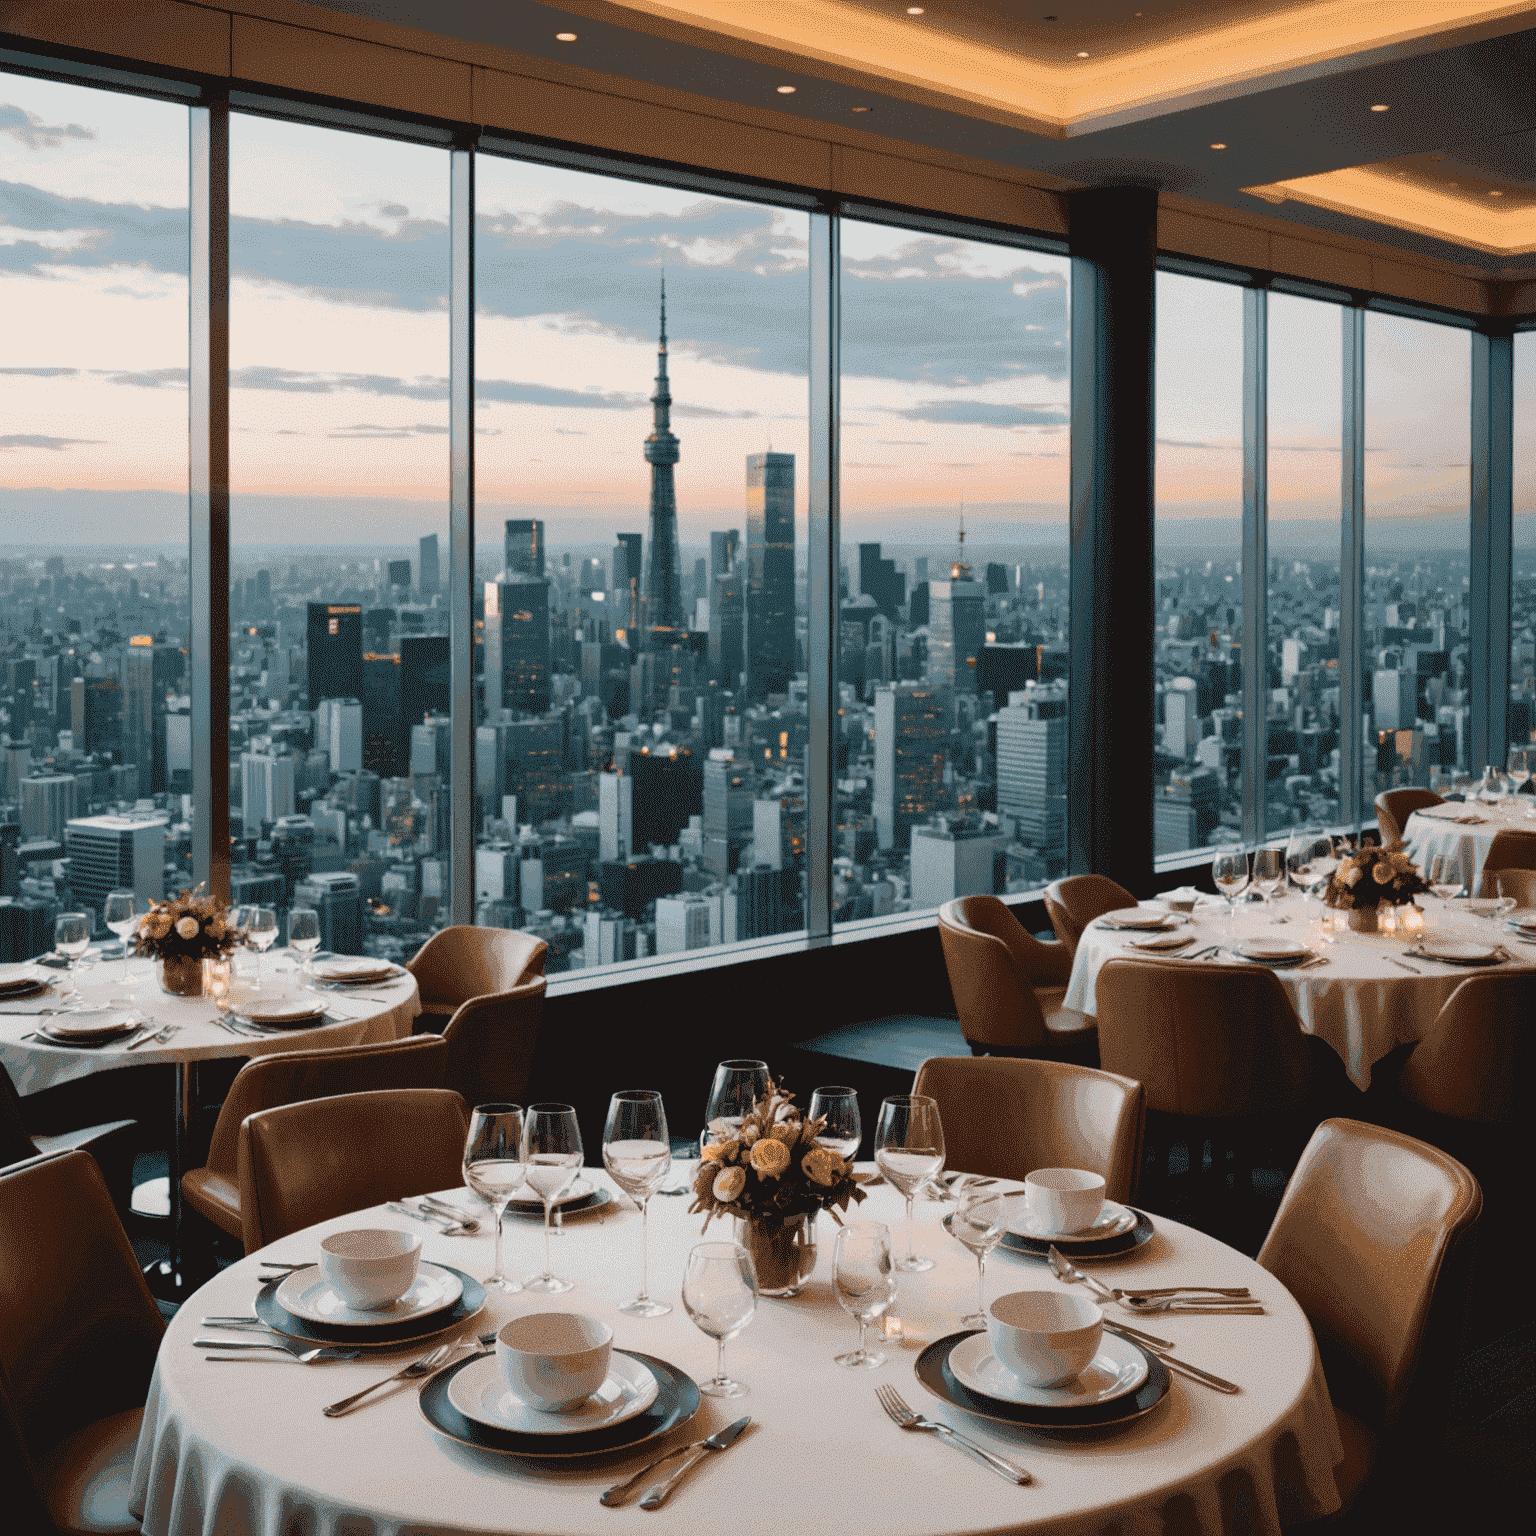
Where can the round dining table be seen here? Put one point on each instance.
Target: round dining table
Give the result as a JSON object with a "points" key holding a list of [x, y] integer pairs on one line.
{"points": [[1364, 993], [243, 1449], [1466, 830]]}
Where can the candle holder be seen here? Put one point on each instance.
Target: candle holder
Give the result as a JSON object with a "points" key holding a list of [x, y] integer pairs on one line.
{"points": [[218, 977]]}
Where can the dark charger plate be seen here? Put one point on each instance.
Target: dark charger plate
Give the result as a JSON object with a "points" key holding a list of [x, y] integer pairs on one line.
{"points": [[369, 1335], [591, 1201], [1092, 1248], [677, 1400], [934, 1373]]}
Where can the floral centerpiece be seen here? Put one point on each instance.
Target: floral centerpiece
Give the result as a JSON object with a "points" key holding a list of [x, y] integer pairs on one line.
{"points": [[183, 932], [1371, 878], [772, 1177]]}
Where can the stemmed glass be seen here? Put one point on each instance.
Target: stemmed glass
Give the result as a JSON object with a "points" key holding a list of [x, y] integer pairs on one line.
{"points": [[552, 1156], [1269, 875], [980, 1219], [120, 913], [909, 1148], [637, 1153], [866, 1285], [720, 1294], [840, 1108], [71, 938], [303, 932], [737, 1086], [1445, 877], [1229, 870], [1518, 766], [261, 932], [494, 1169]]}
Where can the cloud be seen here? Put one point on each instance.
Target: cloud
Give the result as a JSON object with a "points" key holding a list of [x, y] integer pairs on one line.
{"points": [[1179, 442], [30, 129], [41, 373], [394, 210], [148, 378], [37, 440], [982, 413], [569, 432], [901, 442]]}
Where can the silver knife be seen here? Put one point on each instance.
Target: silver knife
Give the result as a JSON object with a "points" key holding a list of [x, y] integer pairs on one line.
{"points": [[1192, 1371], [658, 1495], [616, 1495]]}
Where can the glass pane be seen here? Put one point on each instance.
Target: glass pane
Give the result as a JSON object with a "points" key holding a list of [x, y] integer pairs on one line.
{"points": [[1416, 678], [641, 708], [1522, 651], [1306, 368], [338, 531], [95, 721], [1197, 768], [952, 630]]}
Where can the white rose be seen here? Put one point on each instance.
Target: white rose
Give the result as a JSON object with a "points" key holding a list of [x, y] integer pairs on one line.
{"points": [[187, 927]]}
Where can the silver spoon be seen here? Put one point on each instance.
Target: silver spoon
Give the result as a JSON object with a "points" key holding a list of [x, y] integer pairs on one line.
{"points": [[1191, 1304]]}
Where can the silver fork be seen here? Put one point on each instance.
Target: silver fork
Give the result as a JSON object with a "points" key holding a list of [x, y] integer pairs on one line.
{"points": [[902, 1416], [412, 1372]]}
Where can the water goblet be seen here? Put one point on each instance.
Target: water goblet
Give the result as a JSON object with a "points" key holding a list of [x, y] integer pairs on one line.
{"points": [[303, 932], [981, 1217], [843, 1130], [909, 1149], [1445, 877], [262, 932], [1269, 875], [720, 1295], [637, 1152], [737, 1086], [120, 912], [494, 1169], [1229, 871], [863, 1273], [552, 1156], [71, 938]]}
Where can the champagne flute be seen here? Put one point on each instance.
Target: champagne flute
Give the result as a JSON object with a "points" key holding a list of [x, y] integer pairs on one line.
{"points": [[1269, 875], [840, 1108], [637, 1152], [862, 1271], [262, 932], [720, 1295], [552, 1158], [120, 913], [493, 1169], [71, 938], [909, 1148], [1229, 870], [980, 1219], [303, 932]]}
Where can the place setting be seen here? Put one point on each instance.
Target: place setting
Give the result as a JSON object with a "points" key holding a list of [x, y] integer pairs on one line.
{"points": [[350, 973], [1062, 1206], [1141, 920], [91, 1028], [24, 983]]}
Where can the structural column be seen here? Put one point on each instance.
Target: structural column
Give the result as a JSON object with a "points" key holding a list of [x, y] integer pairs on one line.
{"points": [[1113, 245], [1352, 572], [1493, 363], [461, 532], [1255, 559]]}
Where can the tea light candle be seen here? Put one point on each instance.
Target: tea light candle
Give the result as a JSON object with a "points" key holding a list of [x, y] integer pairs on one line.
{"points": [[218, 973], [1412, 920], [1386, 919]]}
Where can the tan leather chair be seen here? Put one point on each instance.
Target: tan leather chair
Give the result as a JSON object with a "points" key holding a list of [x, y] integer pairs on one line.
{"points": [[112, 1143], [288, 1077], [1508, 850], [1395, 806], [303, 1163], [491, 1043], [78, 1335], [996, 971], [1519, 883], [1006, 1118], [462, 962], [1374, 1238], [1477, 1059], [1073, 903]]}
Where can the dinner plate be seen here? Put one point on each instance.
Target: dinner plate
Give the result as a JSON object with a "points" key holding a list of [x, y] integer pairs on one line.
{"points": [[386, 1335], [307, 1294], [1113, 1220], [20, 980], [1459, 952], [676, 1401], [1082, 1248], [1162, 941], [359, 971], [92, 1027], [936, 1375], [1272, 949], [283, 1012], [480, 1393], [1118, 1368], [1142, 919]]}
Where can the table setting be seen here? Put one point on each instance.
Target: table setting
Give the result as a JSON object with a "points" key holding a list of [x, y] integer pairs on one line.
{"points": [[455, 1380]]}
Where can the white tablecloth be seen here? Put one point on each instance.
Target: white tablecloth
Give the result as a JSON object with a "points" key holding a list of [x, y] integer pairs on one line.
{"points": [[384, 1013], [1363, 1003], [243, 1450], [1427, 835]]}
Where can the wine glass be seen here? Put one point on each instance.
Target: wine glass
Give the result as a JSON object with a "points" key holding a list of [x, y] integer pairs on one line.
{"points": [[720, 1295], [261, 932], [637, 1152], [737, 1086], [71, 938], [1518, 766], [981, 1217], [120, 913], [552, 1156], [303, 932], [493, 1168], [1269, 874], [1229, 870], [866, 1285], [840, 1108], [909, 1148], [1445, 877]]}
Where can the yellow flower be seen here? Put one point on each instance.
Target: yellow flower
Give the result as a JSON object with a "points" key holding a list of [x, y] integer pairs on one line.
{"points": [[770, 1158], [821, 1166], [728, 1184], [1352, 876], [1382, 873], [721, 1152], [785, 1134], [187, 927], [750, 1135]]}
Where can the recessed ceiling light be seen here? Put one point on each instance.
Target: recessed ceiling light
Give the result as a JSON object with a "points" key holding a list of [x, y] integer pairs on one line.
{"points": [[565, 37], [786, 90], [859, 109], [1495, 194], [1381, 106], [1218, 146], [1082, 55], [914, 10]]}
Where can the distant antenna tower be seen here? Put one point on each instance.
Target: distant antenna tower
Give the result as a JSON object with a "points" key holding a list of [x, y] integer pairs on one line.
{"points": [[959, 570]]}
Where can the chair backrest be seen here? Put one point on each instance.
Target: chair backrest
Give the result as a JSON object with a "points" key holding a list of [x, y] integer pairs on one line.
{"points": [[1395, 806], [1006, 1117], [78, 1327], [993, 996], [462, 962], [1373, 1237], [1218, 1041], [1073, 903], [491, 1043], [1045, 964], [1508, 850], [16, 1145], [1519, 883], [1475, 1062], [303, 1163], [288, 1077]]}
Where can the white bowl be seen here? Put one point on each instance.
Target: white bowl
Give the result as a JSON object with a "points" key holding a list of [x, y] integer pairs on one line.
{"points": [[372, 1267], [554, 1361], [1045, 1338], [1064, 1199]]}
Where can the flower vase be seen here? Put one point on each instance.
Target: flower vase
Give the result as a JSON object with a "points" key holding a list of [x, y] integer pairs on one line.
{"points": [[181, 975], [1362, 919], [783, 1251]]}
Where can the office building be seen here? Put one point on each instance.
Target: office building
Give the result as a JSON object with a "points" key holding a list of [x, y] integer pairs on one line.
{"points": [[767, 902], [386, 735], [1186, 810], [628, 585], [957, 631], [524, 548], [728, 811], [955, 860], [517, 651], [424, 680], [338, 899], [266, 781], [48, 800], [727, 631], [431, 748], [723, 544], [664, 618], [631, 885], [427, 583], [115, 853], [911, 753], [334, 651], [96, 714], [770, 573], [615, 815], [1032, 772], [339, 733], [682, 923], [399, 573]]}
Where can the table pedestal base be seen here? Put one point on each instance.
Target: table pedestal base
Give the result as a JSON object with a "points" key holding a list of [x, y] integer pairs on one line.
{"points": [[152, 1199], [169, 1284]]}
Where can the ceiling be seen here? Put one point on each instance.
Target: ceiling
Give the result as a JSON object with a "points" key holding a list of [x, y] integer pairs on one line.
{"points": [[1407, 123]]}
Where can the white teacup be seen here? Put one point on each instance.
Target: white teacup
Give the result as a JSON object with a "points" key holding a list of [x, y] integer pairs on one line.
{"points": [[1064, 1199], [554, 1361], [371, 1268], [1046, 1338]]}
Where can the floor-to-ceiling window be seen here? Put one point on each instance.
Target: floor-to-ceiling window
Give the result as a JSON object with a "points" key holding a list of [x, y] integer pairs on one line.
{"points": [[95, 722], [1197, 767], [338, 689], [951, 630], [1522, 649]]}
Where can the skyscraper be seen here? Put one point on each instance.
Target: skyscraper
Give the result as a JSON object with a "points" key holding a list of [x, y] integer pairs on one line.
{"points": [[385, 729], [266, 784], [426, 570], [727, 643], [722, 551], [664, 616], [770, 573], [517, 660], [911, 750], [110, 853], [525, 547], [627, 555], [334, 651], [1032, 771], [424, 682], [957, 630]]}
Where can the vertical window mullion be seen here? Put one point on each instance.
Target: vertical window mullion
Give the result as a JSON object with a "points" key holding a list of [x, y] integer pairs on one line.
{"points": [[1255, 560], [461, 532], [1352, 568], [1492, 504]]}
